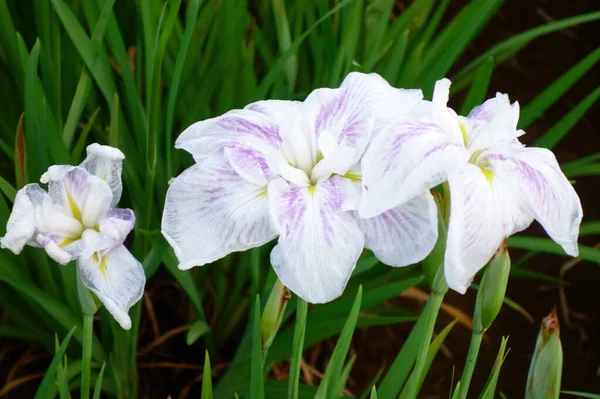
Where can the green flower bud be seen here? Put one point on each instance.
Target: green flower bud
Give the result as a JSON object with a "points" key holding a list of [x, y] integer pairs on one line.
{"points": [[273, 313], [545, 371], [492, 289], [433, 264], [89, 303]]}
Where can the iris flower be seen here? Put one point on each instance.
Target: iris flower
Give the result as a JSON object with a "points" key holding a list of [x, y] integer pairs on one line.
{"points": [[76, 219], [498, 189], [292, 170]]}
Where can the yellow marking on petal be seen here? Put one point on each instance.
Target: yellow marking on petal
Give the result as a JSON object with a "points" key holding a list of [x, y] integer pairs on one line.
{"points": [[319, 157], [103, 266], [312, 190], [463, 130], [95, 257], [353, 176], [262, 193], [489, 174], [73, 205], [66, 242]]}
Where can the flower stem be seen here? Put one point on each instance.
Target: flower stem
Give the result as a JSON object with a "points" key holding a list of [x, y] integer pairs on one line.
{"points": [[433, 308], [465, 381], [86, 358]]}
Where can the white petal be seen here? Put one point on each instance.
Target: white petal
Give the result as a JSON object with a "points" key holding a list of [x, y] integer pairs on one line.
{"points": [[117, 279], [106, 163], [21, 227], [443, 116], [404, 235], [249, 165], [349, 188], [318, 245], [404, 161], [117, 224], [548, 196], [492, 123], [482, 215], [210, 211], [246, 129], [97, 202]]}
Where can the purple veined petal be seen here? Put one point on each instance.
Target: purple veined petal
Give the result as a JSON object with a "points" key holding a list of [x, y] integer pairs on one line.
{"points": [[405, 160], [59, 252], [493, 122], [404, 235], [21, 228], [116, 278], [444, 116], [318, 244], [249, 164], [106, 163], [210, 211], [117, 224], [349, 188], [246, 128], [548, 196], [485, 209]]}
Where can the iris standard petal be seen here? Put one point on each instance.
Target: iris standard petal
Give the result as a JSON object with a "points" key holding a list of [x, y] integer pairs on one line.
{"points": [[106, 163], [318, 244], [21, 226], [404, 235], [404, 161], [548, 195], [484, 210], [116, 278], [210, 211], [245, 129]]}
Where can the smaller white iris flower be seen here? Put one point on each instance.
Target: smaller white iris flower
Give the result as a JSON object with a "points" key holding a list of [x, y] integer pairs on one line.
{"points": [[497, 185], [76, 219], [292, 170]]}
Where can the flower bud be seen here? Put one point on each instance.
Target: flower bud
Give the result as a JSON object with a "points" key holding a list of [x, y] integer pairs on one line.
{"points": [[273, 313], [433, 264], [89, 302], [492, 289], [545, 371]]}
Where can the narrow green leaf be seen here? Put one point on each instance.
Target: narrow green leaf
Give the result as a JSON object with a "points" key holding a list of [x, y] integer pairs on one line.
{"points": [[552, 93], [99, 380], [257, 387], [336, 362], [546, 245], [46, 384], [297, 347], [373, 393], [198, 329], [284, 39], [81, 142], [77, 106], [7, 189], [207, 392], [344, 376], [585, 395], [489, 392], [553, 136], [479, 87], [113, 130]]}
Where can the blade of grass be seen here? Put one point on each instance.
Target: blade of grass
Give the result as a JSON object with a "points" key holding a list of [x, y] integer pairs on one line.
{"points": [[476, 94], [46, 384], [546, 245], [206, 378], [257, 387], [99, 381], [489, 392], [297, 347]]}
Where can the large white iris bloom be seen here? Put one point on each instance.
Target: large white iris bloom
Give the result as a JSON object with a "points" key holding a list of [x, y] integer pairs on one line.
{"points": [[76, 219], [292, 169], [499, 188]]}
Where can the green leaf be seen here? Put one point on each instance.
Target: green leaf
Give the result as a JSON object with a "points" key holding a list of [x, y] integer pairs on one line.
{"points": [[81, 142], [586, 395], [257, 388], [99, 380], [479, 87], [373, 393], [198, 329], [46, 384], [207, 392], [336, 362], [553, 136], [489, 391], [297, 347], [546, 245], [8, 189], [552, 93]]}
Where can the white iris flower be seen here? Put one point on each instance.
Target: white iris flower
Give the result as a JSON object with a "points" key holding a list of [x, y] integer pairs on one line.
{"points": [[76, 219]]}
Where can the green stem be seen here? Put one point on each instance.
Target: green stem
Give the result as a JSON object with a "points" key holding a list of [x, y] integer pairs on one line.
{"points": [[298, 345], [86, 358], [470, 363], [435, 302]]}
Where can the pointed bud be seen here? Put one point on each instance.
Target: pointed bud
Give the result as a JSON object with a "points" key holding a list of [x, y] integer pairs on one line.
{"points": [[89, 303], [545, 371], [492, 289], [433, 264], [273, 313]]}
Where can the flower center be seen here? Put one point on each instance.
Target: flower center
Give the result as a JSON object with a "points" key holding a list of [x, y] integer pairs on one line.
{"points": [[478, 159]]}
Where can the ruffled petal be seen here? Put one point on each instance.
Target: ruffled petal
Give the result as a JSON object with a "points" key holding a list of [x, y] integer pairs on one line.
{"points": [[21, 227], [484, 210], [443, 116], [404, 235], [106, 163], [210, 211], [246, 129], [318, 245], [404, 161], [116, 278], [548, 196]]}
